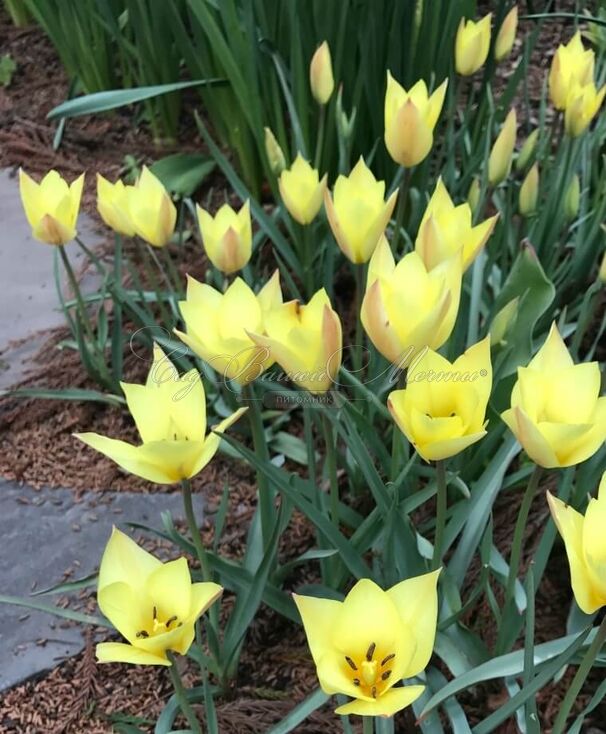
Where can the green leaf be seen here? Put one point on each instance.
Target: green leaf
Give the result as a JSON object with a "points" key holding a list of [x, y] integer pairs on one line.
{"points": [[8, 67], [56, 611], [300, 712], [69, 586], [182, 173], [71, 393]]}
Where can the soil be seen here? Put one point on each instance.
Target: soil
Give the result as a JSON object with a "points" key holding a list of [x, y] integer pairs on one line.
{"points": [[37, 448]]}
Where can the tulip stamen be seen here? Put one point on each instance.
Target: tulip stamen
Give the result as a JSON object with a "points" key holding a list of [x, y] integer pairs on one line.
{"points": [[170, 621], [143, 634], [356, 681], [371, 651], [155, 614], [386, 675], [351, 663], [387, 659], [374, 691]]}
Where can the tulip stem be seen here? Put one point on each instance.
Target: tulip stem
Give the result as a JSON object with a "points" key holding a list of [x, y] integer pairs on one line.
{"points": [[360, 273], [331, 470], [518, 533], [441, 508], [578, 680], [320, 138], [402, 201], [194, 530], [181, 694], [368, 724]]}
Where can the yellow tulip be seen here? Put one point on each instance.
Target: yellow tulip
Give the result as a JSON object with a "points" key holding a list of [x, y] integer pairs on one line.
{"points": [[407, 307], [503, 321], [473, 195], [153, 605], [227, 237], [527, 150], [572, 65], [442, 410], [582, 106], [358, 215], [499, 163], [506, 35], [320, 74], [410, 118], [274, 153], [302, 190], [112, 205], [529, 192], [170, 414], [472, 44], [306, 341], [51, 207], [585, 543], [218, 324], [556, 412], [366, 644], [151, 209], [572, 199], [447, 229], [602, 270]]}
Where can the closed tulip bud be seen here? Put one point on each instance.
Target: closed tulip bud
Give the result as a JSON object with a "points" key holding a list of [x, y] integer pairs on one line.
{"points": [[572, 65], [442, 410], [345, 124], [51, 207], [573, 198], [218, 323], [154, 605], [582, 106], [302, 191], [527, 150], [602, 270], [274, 153], [556, 412], [227, 237], [471, 45], [357, 213], [529, 192], [170, 414], [506, 35], [407, 307], [306, 341], [151, 210], [446, 230], [499, 163], [112, 205], [583, 537], [473, 195], [410, 118], [320, 74], [366, 644], [503, 321]]}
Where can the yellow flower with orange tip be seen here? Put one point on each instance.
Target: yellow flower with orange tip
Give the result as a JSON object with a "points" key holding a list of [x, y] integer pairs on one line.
{"points": [[218, 324], [447, 229], [357, 213], [51, 207], [499, 162], [366, 644], [227, 237], [321, 77], [112, 205], [301, 190], [170, 414], [585, 543], [556, 412], [153, 605], [306, 341], [506, 35], [583, 105], [472, 44], [572, 65], [410, 118], [408, 307], [442, 410], [151, 210]]}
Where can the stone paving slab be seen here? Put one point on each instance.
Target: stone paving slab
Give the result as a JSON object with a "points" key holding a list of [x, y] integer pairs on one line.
{"points": [[43, 534]]}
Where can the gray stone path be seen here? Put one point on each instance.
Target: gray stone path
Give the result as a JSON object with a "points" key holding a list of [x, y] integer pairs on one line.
{"points": [[42, 535]]}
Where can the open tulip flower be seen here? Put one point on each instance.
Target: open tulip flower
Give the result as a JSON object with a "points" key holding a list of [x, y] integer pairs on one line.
{"points": [[227, 237], [153, 605], [306, 341], [51, 207], [410, 118], [170, 414], [408, 307], [443, 408], [151, 210], [472, 44], [302, 191], [218, 326], [112, 205], [357, 212], [572, 65], [366, 644], [446, 229], [583, 105], [556, 412]]}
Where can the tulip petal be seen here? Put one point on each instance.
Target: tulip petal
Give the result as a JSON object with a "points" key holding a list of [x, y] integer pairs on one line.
{"points": [[532, 440], [125, 561], [203, 595], [318, 617], [553, 354], [124, 606], [445, 448], [335, 676], [119, 652], [392, 701], [169, 586]]}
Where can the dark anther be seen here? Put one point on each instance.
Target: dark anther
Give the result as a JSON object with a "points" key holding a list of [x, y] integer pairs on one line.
{"points": [[371, 651], [351, 663], [356, 681], [143, 634], [170, 621], [386, 675], [387, 659], [155, 613], [453, 414], [374, 691]]}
